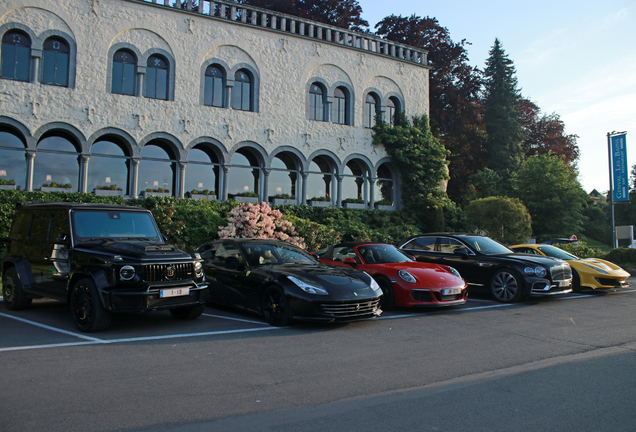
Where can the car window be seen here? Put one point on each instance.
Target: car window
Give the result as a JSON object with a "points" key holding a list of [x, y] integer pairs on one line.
{"points": [[448, 245], [130, 225], [21, 225], [279, 253], [40, 227], [342, 252], [421, 243], [227, 250], [59, 227], [555, 252], [382, 254]]}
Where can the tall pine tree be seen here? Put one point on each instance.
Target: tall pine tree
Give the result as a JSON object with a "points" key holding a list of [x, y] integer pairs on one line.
{"points": [[504, 152]]}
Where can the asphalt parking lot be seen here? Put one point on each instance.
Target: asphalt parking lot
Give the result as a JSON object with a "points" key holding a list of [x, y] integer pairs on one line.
{"points": [[47, 323]]}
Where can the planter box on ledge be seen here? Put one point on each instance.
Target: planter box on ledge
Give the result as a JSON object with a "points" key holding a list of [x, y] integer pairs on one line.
{"points": [[7, 187], [354, 205], [283, 201], [56, 189], [319, 203], [244, 199], [384, 207], [146, 194], [201, 197], [108, 192]]}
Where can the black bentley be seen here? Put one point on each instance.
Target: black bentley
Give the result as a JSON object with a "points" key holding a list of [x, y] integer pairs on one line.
{"points": [[283, 282], [489, 265]]}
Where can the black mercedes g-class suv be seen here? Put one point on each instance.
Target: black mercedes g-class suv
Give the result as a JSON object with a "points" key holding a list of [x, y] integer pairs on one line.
{"points": [[100, 259]]}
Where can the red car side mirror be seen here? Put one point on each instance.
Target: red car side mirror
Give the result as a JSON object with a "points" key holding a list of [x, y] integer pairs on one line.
{"points": [[350, 261]]}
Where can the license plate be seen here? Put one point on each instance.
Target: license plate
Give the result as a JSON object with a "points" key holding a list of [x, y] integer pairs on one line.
{"points": [[174, 292], [451, 291], [564, 283]]}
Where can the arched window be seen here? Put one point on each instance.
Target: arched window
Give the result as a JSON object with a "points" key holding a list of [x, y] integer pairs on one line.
{"points": [[339, 107], [393, 108], [371, 111], [353, 181], [156, 169], [384, 186], [12, 161], [316, 103], [55, 61], [56, 164], [242, 99], [125, 73], [320, 176], [157, 78], [108, 167], [244, 173], [214, 87], [16, 56], [283, 177], [202, 171]]}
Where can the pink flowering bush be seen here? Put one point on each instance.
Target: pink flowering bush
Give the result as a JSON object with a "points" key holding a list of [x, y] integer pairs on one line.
{"points": [[259, 221]]}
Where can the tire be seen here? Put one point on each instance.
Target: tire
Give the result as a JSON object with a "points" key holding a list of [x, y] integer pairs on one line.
{"points": [[388, 297], [576, 281], [506, 286], [188, 312], [276, 309], [12, 294], [89, 315]]}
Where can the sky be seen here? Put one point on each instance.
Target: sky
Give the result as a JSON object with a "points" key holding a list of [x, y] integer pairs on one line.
{"points": [[573, 58]]}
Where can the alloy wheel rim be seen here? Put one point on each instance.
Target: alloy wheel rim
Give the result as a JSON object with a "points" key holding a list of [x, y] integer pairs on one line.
{"points": [[505, 286]]}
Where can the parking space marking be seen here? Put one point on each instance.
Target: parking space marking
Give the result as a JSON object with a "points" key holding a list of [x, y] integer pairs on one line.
{"points": [[234, 319], [79, 335]]}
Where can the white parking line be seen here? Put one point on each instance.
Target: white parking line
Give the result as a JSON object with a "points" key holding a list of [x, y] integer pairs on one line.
{"points": [[79, 335], [235, 319]]}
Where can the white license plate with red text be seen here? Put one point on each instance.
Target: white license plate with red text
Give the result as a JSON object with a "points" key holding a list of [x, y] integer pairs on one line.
{"points": [[174, 292]]}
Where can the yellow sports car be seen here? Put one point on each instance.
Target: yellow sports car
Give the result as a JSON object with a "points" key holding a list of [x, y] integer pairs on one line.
{"points": [[589, 272]]}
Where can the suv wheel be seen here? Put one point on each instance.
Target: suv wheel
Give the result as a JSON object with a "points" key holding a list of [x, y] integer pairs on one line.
{"points": [[188, 312], [89, 315], [12, 294]]}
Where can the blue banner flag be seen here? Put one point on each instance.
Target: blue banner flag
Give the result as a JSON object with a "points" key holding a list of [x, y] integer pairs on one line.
{"points": [[620, 174]]}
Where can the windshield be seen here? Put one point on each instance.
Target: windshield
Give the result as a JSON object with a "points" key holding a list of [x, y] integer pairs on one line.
{"points": [[555, 252], [114, 225], [264, 254], [486, 245], [382, 254]]}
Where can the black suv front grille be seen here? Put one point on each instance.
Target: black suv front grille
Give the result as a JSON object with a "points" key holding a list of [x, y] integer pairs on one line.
{"points": [[167, 272]]}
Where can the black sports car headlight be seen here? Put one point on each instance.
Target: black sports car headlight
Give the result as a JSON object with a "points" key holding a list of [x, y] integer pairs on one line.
{"points": [[307, 287], [374, 285]]}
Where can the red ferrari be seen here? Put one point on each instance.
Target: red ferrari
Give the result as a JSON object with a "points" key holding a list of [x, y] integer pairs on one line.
{"points": [[404, 281]]}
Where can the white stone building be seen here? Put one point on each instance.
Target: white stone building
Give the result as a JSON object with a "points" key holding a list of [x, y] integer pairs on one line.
{"points": [[220, 96]]}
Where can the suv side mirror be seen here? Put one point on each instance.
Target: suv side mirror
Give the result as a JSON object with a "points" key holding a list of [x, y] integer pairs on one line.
{"points": [[62, 237], [350, 261]]}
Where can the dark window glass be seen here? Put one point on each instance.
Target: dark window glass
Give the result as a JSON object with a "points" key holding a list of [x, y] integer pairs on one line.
{"points": [[40, 227], [55, 60], [157, 78], [114, 224], [391, 113], [214, 86], [155, 170], [370, 111], [339, 114], [202, 172], [56, 164], [12, 161], [16, 56], [316, 103], [423, 243], [124, 73], [242, 99], [59, 227], [107, 167], [21, 225]]}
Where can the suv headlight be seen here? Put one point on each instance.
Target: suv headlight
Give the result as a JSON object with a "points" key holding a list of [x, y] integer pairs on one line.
{"points": [[198, 269], [127, 273], [307, 287]]}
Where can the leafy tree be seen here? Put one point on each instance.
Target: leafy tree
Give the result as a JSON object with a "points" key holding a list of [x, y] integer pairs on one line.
{"points": [[483, 184], [455, 86], [550, 190], [501, 113], [545, 133], [346, 14], [418, 156], [502, 218]]}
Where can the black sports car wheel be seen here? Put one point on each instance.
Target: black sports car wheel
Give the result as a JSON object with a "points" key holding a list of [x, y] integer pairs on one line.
{"points": [[89, 315], [276, 308], [388, 298], [506, 286], [187, 312], [12, 294]]}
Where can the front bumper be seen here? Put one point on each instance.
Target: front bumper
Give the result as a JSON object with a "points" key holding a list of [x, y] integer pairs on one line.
{"points": [[545, 287], [327, 311], [124, 301]]}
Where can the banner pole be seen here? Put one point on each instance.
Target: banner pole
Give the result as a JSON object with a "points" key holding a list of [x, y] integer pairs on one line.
{"points": [[611, 191]]}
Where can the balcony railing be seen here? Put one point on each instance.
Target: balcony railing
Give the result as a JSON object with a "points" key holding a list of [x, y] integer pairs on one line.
{"points": [[275, 21]]}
